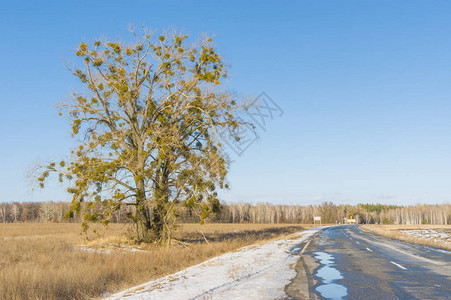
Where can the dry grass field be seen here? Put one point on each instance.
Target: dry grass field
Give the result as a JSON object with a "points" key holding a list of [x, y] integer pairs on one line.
{"points": [[438, 236], [53, 261]]}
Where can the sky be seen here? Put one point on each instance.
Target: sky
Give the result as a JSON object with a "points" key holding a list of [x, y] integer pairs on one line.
{"points": [[363, 87]]}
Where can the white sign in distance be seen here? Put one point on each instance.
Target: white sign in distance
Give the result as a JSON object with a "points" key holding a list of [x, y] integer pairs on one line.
{"points": [[316, 218]]}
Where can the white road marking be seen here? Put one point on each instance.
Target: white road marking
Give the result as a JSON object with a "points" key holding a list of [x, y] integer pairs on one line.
{"points": [[439, 263], [369, 249], [398, 265]]}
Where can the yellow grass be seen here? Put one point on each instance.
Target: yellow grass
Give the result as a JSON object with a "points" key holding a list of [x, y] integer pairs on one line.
{"points": [[393, 231], [50, 261]]}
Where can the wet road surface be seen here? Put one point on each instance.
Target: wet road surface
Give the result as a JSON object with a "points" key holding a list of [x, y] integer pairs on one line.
{"points": [[344, 262]]}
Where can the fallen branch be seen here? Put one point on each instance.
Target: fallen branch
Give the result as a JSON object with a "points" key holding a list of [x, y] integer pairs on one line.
{"points": [[205, 238], [181, 243]]}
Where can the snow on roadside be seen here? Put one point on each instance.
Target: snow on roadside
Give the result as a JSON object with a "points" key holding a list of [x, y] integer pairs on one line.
{"points": [[252, 272], [441, 235]]}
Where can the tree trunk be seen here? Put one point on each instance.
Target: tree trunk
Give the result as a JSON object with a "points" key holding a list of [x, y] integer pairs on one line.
{"points": [[143, 224], [160, 220]]}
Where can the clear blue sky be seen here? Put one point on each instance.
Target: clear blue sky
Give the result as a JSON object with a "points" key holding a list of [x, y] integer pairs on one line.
{"points": [[365, 87]]}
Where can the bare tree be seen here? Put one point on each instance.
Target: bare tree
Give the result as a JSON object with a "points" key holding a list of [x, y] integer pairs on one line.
{"points": [[15, 211], [47, 211], [3, 213]]}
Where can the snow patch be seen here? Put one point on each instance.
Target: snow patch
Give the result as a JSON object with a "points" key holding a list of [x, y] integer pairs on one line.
{"points": [[429, 234], [252, 272], [109, 250]]}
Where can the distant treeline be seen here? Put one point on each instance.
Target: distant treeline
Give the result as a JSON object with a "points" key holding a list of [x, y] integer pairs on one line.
{"points": [[251, 213]]}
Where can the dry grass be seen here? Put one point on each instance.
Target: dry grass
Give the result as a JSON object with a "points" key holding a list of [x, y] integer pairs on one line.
{"points": [[394, 232], [43, 261]]}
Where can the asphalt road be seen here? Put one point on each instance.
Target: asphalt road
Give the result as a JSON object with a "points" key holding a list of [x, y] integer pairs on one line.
{"points": [[344, 262]]}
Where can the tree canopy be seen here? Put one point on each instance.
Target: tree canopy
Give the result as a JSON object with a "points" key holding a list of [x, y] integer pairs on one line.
{"points": [[148, 122]]}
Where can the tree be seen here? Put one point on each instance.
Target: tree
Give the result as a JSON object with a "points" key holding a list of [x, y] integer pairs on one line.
{"points": [[47, 211], [24, 215], [15, 211], [149, 121], [3, 213]]}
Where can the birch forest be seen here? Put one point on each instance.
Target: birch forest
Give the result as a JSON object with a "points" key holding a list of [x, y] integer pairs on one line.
{"points": [[42, 212]]}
